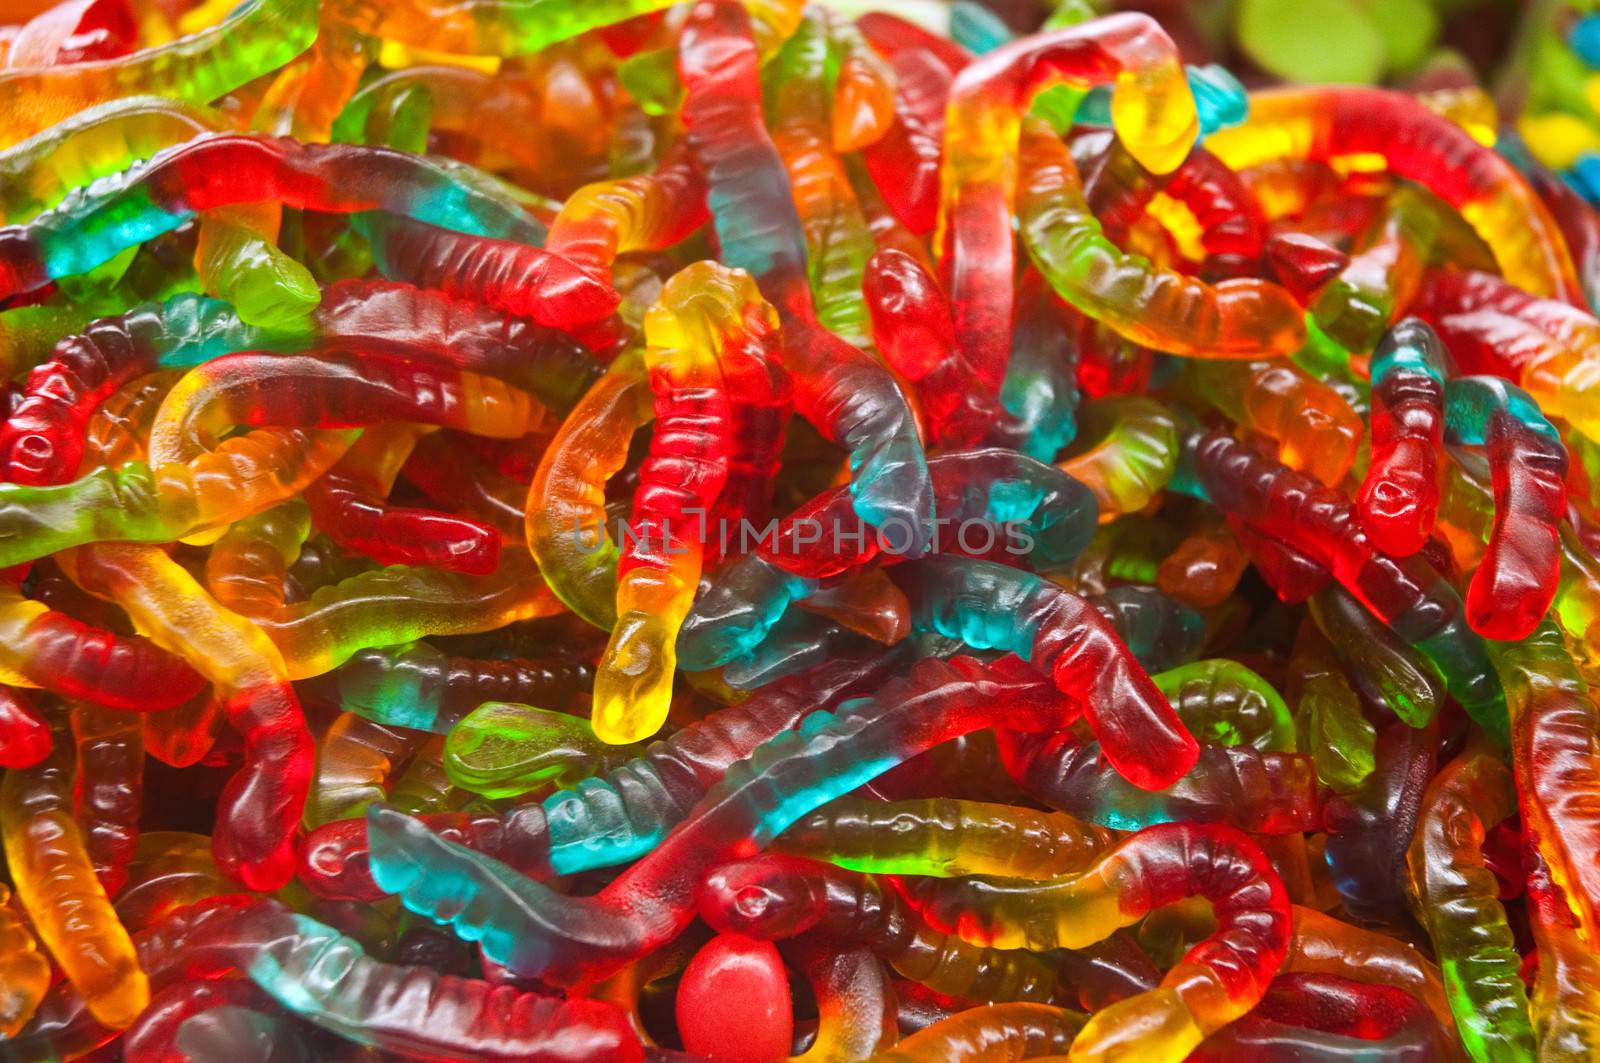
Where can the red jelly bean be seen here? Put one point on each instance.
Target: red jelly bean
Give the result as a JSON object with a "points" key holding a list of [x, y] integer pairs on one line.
{"points": [[733, 1002]]}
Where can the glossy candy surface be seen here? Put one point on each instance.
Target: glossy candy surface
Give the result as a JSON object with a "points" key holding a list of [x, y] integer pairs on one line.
{"points": [[606, 531]]}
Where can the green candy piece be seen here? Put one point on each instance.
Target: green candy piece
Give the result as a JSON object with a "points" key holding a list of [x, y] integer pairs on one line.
{"points": [[1223, 702], [502, 749], [651, 78], [1408, 29], [1316, 41], [1339, 738]]}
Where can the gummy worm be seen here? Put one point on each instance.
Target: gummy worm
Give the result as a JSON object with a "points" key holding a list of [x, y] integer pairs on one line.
{"points": [[1034, 505], [256, 37], [569, 940], [1369, 828], [224, 1030], [1554, 762], [1457, 899], [1151, 305], [155, 1035], [774, 896], [1232, 226], [1134, 453], [1160, 632], [1324, 123], [74, 659], [487, 27], [1224, 702], [1399, 497], [1541, 344], [1205, 568], [329, 390], [237, 259], [23, 969], [849, 397], [855, 1000], [349, 504], [1580, 228], [384, 607], [425, 787], [760, 398], [1262, 792], [357, 763], [449, 468], [1331, 724], [904, 162], [623, 814], [260, 806], [1408, 594], [309, 92], [864, 87], [417, 686], [464, 101], [1217, 981], [700, 309], [1512, 589], [41, 439], [1041, 385], [968, 768], [502, 749], [170, 870], [1019, 1030], [24, 737], [945, 837], [890, 34], [55, 881], [989, 606], [1332, 1020], [1358, 304], [143, 503], [1153, 113], [1380, 665], [94, 224], [107, 138], [566, 511], [1564, 1007], [1322, 944], [911, 328], [837, 239], [181, 737], [649, 212], [328, 979], [109, 788], [1316, 430]]}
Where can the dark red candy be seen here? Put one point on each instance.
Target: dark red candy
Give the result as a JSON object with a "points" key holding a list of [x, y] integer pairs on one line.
{"points": [[1303, 263]]}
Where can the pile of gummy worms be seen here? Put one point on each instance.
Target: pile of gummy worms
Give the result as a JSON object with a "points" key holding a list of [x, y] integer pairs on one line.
{"points": [[605, 530]]}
